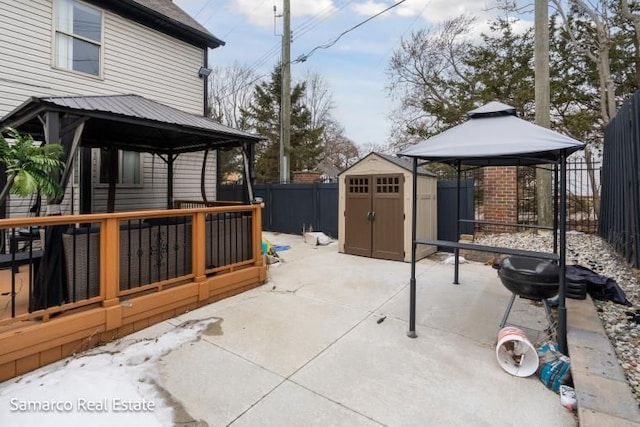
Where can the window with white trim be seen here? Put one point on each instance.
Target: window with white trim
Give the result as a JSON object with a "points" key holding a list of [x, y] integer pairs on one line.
{"points": [[78, 37], [128, 167]]}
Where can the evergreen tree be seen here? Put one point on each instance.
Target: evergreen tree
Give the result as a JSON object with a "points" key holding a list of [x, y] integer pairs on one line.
{"points": [[263, 116]]}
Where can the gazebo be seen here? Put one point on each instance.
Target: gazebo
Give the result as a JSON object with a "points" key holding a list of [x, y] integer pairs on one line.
{"points": [[495, 136], [125, 122]]}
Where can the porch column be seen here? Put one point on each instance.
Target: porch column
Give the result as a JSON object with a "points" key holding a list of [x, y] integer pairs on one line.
{"points": [[170, 159]]}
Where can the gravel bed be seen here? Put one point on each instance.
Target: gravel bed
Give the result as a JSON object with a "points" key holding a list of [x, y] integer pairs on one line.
{"points": [[621, 323]]}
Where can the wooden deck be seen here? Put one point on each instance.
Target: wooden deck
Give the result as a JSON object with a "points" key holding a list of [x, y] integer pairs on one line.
{"points": [[120, 281], [21, 278]]}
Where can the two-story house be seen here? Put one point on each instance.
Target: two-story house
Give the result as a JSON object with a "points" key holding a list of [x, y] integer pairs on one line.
{"points": [[122, 85], [74, 48]]}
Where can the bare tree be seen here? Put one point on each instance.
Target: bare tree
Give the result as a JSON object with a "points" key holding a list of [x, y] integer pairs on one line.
{"points": [[371, 147], [230, 90], [594, 42], [418, 71], [339, 151], [634, 19], [589, 28], [318, 99]]}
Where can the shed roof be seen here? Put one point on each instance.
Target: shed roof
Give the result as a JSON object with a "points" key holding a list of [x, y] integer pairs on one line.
{"points": [[402, 163], [129, 122]]}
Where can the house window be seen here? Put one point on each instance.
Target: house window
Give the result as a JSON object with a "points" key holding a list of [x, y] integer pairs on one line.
{"points": [[128, 167], [78, 37]]}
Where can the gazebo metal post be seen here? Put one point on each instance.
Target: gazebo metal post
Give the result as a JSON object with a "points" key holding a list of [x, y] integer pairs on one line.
{"points": [[412, 280], [562, 309], [456, 251], [170, 159], [555, 208]]}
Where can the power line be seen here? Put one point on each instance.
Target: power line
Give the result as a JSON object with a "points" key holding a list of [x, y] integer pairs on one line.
{"points": [[304, 57], [202, 8], [316, 20], [426, 4]]}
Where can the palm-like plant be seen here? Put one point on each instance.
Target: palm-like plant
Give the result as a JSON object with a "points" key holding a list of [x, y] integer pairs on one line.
{"points": [[28, 166]]}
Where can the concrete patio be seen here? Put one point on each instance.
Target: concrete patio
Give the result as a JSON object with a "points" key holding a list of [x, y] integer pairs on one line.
{"points": [[324, 343]]}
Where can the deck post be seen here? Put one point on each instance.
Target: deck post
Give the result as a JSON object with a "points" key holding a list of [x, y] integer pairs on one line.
{"points": [[257, 234], [109, 260], [199, 247]]}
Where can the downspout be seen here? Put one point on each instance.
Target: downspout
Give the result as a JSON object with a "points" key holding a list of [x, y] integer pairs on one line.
{"points": [[203, 175], [205, 85]]}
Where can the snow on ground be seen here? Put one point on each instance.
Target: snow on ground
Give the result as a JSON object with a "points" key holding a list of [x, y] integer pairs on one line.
{"points": [[114, 384]]}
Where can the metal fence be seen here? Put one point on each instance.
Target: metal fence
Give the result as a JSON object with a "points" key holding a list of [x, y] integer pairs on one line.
{"points": [[620, 212], [583, 193]]}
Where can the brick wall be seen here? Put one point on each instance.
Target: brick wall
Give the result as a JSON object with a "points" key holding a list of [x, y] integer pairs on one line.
{"points": [[306, 177], [500, 197]]}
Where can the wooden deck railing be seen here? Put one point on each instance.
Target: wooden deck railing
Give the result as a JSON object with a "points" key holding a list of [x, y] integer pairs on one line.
{"points": [[101, 258], [188, 204], [101, 276]]}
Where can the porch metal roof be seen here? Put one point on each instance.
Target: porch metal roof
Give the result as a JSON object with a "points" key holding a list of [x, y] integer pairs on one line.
{"points": [[129, 122]]}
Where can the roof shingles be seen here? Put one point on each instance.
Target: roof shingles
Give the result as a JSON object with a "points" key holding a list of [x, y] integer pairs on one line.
{"points": [[170, 10]]}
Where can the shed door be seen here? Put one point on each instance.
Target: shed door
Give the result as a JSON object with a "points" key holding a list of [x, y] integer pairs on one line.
{"points": [[374, 216], [388, 219], [357, 212]]}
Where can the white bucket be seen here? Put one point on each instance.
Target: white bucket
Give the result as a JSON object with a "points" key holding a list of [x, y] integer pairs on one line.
{"points": [[515, 353]]}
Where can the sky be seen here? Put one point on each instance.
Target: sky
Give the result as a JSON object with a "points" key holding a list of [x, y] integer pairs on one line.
{"points": [[355, 68]]}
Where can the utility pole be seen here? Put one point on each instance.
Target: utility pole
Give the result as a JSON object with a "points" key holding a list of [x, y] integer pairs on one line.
{"points": [[285, 103], [542, 102]]}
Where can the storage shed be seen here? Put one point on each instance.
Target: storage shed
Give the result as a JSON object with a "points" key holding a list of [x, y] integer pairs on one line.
{"points": [[375, 208]]}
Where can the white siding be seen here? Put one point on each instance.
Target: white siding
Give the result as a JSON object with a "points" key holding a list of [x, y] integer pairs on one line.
{"points": [[137, 60], [153, 192], [187, 170]]}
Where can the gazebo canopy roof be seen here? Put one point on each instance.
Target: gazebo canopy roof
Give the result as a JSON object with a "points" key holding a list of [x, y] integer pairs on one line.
{"points": [[494, 136], [129, 122]]}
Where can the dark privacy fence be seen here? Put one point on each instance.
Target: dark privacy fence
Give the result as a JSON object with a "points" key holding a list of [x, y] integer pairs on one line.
{"points": [[620, 203], [290, 208]]}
